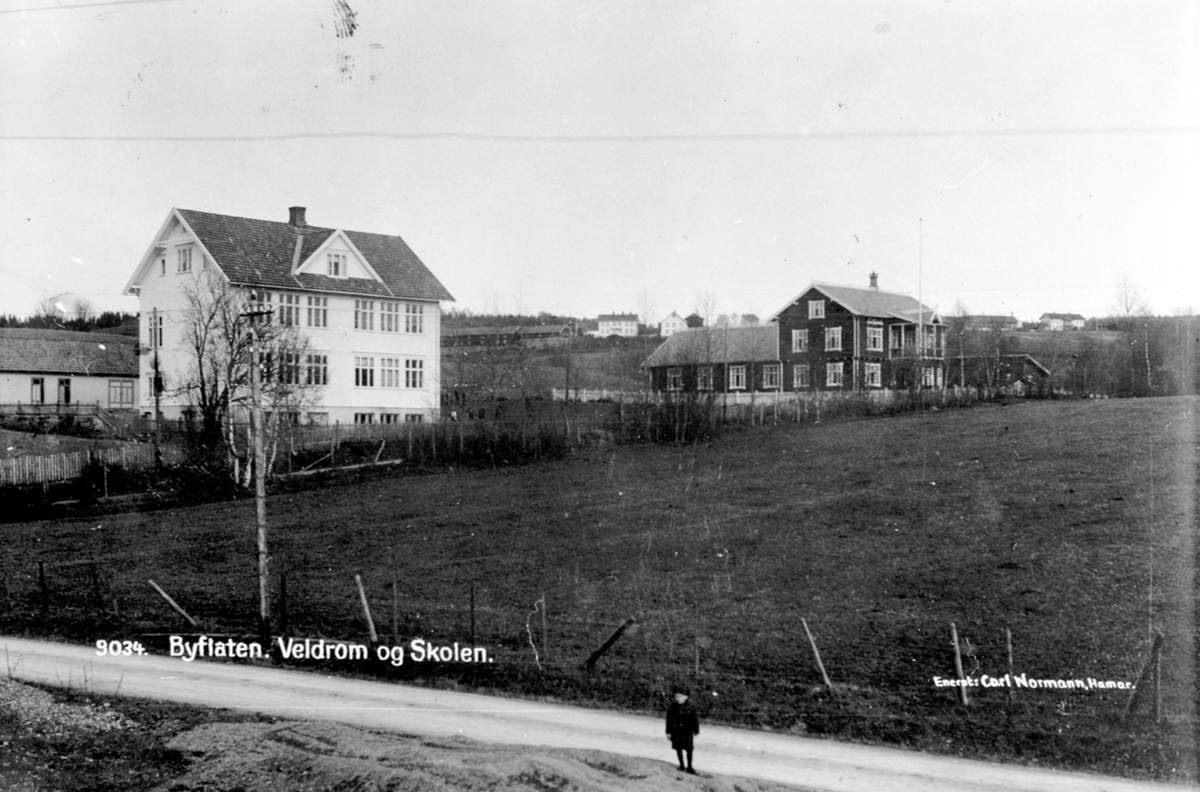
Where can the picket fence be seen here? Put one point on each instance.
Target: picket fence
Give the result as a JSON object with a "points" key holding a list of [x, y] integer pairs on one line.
{"points": [[49, 468]]}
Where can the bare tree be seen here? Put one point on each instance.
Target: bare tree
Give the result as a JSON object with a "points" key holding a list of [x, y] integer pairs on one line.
{"points": [[216, 380]]}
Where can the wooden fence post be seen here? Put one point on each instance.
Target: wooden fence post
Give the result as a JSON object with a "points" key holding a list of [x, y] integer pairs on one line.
{"points": [[817, 655], [174, 604], [1148, 669], [43, 588], [362, 594], [958, 668], [1012, 688]]}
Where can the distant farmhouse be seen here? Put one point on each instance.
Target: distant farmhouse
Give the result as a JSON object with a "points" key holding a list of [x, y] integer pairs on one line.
{"points": [[828, 338], [1016, 373], [672, 324], [368, 307], [625, 325], [528, 335], [59, 372], [1061, 321], [985, 322]]}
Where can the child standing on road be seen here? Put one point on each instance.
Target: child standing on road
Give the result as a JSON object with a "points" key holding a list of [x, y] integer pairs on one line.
{"points": [[682, 725]]}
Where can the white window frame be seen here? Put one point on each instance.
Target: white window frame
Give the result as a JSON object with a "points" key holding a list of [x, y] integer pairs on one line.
{"points": [[335, 265], [704, 378], [874, 336], [316, 368], [800, 340], [364, 315], [389, 372], [737, 378], [414, 318], [183, 260], [289, 309], [833, 339], [874, 375], [364, 418], [389, 316], [364, 371], [674, 378], [834, 375], [800, 377], [414, 373], [318, 311], [414, 418], [771, 376], [816, 309], [124, 393], [291, 368]]}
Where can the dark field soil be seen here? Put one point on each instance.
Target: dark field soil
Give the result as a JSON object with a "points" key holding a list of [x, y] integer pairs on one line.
{"points": [[1072, 524]]}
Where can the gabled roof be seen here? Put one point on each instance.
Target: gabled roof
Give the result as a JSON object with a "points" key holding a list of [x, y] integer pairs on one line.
{"points": [[617, 318], [704, 345], [36, 351], [870, 302], [531, 331], [1063, 316], [262, 253]]}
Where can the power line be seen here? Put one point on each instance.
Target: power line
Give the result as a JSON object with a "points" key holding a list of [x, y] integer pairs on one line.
{"points": [[83, 5], [752, 137]]}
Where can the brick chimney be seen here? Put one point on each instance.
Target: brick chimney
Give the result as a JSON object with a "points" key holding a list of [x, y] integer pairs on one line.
{"points": [[296, 216], [874, 277]]}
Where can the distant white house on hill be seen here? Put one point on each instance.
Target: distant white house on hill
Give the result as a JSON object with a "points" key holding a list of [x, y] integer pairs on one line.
{"points": [[672, 324], [625, 325], [1061, 321], [368, 308]]}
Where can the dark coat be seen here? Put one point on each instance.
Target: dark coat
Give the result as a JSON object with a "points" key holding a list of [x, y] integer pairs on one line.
{"points": [[682, 725]]}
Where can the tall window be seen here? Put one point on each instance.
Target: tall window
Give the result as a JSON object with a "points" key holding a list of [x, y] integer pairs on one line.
{"points": [[875, 374], [800, 340], [771, 376], [183, 261], [335, 265], [364, 372], [737, 377], [414, 373], [704, 378], [389, 317], [800, 377], [389, 418], [316, 366], [874, 337], [674, 379], [318, 311], [156, 330], [414, 318], [833, 338], [364, 314], [389, 372], [833, 375], [289, 368], [37, 390], [816, 309], [289, 309], [364, 418]]}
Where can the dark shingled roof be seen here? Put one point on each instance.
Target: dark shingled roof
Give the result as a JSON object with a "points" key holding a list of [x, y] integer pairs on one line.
{"points": [[36, 351], [261, 252], [703, 345]]}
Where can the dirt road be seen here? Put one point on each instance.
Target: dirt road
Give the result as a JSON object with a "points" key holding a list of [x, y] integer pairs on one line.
{"points": [[810, 763]]}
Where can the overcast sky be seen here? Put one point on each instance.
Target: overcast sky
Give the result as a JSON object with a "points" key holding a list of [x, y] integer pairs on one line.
{"points": [[597, 156]]}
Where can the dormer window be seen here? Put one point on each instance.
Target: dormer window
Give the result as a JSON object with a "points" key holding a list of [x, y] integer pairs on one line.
{"points": [[335, 265]]}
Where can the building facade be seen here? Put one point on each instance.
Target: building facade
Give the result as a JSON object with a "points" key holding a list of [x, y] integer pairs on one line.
{"points": [[624, 325], [59, 371], [672, 324], [367, 308]]}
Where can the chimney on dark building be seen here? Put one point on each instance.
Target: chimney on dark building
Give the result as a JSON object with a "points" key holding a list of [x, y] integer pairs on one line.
{"points": [[296, 216], [874, 278]]}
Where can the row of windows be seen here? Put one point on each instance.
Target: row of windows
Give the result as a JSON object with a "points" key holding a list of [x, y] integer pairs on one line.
{"points": [[801, 376], [833, 339], [183, 261], [391, 320], [393, 372], [322, 418], [120, 392]]}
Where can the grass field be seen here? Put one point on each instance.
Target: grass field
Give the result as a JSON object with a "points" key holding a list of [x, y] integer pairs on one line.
{"points": [[1070, 523]]}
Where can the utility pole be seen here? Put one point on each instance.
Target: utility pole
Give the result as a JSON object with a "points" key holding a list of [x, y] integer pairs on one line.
{"points": [[260, 473], [156, 385]]}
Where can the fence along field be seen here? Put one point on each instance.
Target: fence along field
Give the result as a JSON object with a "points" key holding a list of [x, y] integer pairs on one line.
{"points": [[1059, 524], [71, 465]]}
